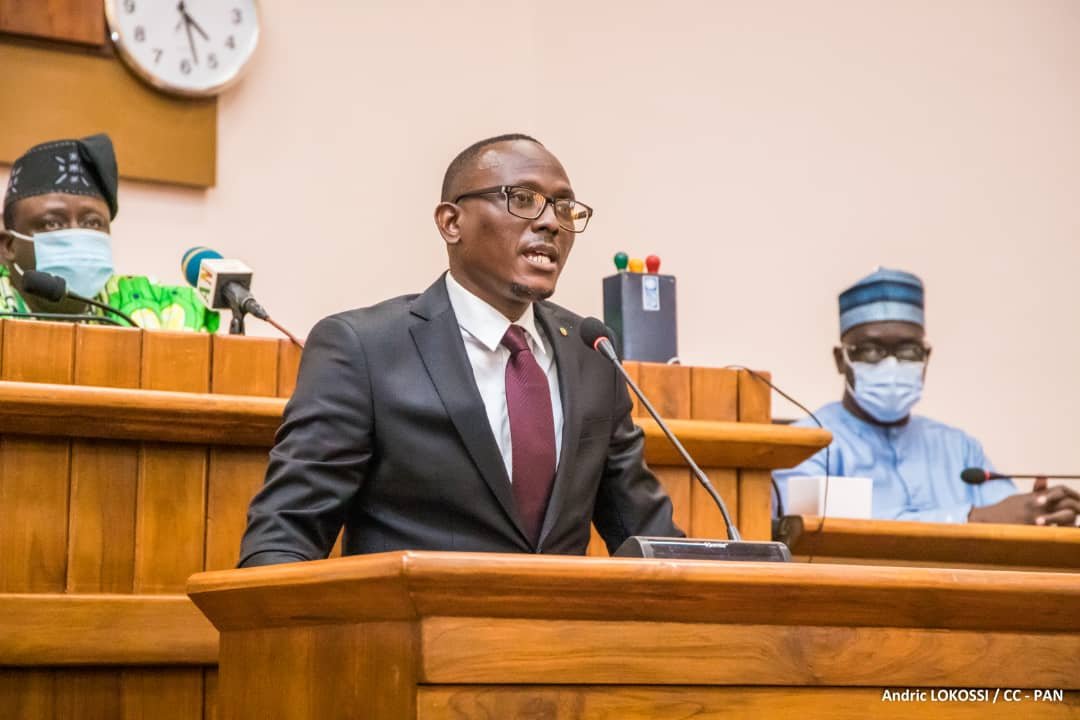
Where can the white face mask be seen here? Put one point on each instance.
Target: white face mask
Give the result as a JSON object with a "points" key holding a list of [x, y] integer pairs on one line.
{"points": [[82, 257], [887, 390]]}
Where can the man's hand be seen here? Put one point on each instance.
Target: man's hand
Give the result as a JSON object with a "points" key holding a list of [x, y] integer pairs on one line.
{"points": [[1059, 505]]}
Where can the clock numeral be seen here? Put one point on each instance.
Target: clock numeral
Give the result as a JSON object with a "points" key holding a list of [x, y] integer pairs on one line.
{"points": [[129, 6], [158, 52], [185, 66], [140, 33], [237, 16], [230, 42], [211, 61]]}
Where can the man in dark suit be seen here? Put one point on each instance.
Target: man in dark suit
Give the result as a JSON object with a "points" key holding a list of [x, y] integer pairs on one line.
{"points": [[470, 417]]}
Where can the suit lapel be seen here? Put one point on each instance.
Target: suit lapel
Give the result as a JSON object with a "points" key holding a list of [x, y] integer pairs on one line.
{"points": [[443, 353], [568, 361]]}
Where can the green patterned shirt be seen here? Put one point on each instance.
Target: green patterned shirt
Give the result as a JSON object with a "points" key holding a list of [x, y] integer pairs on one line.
{"points": [[151, 306]]}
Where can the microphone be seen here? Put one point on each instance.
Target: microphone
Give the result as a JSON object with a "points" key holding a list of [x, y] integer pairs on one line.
{"points": [[221, 284], [977, 476], [54, 288], [597, 336], [226, 284]]}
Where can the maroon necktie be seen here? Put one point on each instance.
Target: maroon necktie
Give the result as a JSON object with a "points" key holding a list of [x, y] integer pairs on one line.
{"points": [[532, 431]]}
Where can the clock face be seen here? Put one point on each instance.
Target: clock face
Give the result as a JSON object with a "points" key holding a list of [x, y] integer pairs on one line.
{"points": [[189, 47]]}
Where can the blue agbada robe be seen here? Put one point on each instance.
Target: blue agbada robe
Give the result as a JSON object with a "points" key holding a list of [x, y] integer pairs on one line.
{"points": [[915, 467]]}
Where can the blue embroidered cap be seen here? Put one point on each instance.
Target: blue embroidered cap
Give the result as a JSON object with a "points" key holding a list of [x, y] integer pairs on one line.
{"points": [[881, 296]]}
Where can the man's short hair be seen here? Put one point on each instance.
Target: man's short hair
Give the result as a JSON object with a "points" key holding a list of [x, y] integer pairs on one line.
{"points": [[468, 156], [9, 216]]}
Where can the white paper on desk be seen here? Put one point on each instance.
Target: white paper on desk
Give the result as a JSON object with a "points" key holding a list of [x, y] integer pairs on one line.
{"points": [[849, 497]]}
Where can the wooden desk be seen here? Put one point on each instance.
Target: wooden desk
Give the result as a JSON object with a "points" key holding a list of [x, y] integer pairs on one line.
{"points": [[898, 543], [127, 462], [443, 636]]}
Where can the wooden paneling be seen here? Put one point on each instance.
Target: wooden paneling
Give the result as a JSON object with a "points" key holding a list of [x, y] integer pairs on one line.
{"points": [[157, 137], [38, 351], [104, 475], [170, 524], [176, 361], [469, 650], [101, 551], [677, 483], [235, 476], [623, 702], [76, 21], [27, 694], [755, 397], [706, 521], [667, 387], [34, 495], [85, 629], [244, 366], [288, 367], [162, 694], [714, 396], [107, 357], [241, 366], [88, 694], [210, 694], [33, 471], [755, 503], [321, 672], [755, 486]]}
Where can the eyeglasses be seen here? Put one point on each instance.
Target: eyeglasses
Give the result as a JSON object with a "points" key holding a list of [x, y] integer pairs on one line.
{"points": [[871, 352], [528, 204]]}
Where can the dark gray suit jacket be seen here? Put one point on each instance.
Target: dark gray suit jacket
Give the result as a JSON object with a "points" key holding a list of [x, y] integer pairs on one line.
{"points": [[387, 435]]}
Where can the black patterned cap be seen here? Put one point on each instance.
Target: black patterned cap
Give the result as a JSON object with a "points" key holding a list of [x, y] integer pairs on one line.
{"points": [[75, 167]]}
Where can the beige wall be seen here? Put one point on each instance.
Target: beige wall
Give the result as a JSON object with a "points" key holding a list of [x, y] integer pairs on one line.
{"points": [[770, 152]]}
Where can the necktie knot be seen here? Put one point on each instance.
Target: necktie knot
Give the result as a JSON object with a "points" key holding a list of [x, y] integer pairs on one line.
{"points": [[514, 340]]}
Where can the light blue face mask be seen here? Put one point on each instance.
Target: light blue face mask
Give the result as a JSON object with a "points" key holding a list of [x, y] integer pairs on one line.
{"points": [[82, 257], [887, 390]]}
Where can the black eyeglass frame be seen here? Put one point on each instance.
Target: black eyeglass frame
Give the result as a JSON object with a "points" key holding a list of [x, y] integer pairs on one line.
{"points": [[888, 350], [504, 190]]}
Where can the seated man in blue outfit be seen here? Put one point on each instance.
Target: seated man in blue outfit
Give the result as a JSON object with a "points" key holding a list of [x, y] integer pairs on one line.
{"points": [[915, 462]]}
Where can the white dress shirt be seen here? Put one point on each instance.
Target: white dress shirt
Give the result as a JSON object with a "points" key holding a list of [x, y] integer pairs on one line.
{"points": [[482, 329]]}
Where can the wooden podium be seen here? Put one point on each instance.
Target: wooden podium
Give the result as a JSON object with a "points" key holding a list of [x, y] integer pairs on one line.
{"points": [[454, 635]]}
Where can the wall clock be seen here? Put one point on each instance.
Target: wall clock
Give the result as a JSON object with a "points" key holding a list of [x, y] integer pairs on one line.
{"points": [[194, 48]]}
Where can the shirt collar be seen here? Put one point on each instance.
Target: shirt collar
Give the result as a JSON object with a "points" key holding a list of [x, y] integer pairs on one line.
{"points": [[487, 325]]}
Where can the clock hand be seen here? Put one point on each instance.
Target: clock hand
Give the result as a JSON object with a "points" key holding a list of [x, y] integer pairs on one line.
{"points": [[191, 41], [202, 32]]}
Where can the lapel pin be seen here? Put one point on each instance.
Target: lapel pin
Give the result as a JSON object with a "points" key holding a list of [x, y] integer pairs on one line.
{"points": [[563, 331]]}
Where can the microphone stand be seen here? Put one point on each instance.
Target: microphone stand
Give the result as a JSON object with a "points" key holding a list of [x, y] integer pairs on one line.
{"points": [[239, 311], [106, 308], [734, 548]]}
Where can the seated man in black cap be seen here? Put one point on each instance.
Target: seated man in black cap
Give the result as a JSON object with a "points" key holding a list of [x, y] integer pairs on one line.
{"points": [[60, 198]]}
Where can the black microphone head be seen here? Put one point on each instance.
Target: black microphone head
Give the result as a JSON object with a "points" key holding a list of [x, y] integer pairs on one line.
{"points": [[974, 476], [44, 285], [592, 330]]}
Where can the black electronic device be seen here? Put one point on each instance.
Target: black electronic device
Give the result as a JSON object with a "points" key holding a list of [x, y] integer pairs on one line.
{"points": [[640, 309]]}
